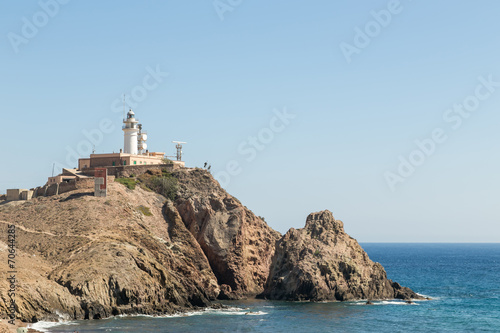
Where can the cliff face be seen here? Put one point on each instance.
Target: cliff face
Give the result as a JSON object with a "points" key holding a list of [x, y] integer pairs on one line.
{"points": [[238, 244], [322, 263], [136, 252], [85, 257]]}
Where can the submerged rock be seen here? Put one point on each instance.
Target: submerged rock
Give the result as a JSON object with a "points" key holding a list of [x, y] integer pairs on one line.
{"points": [[322, 263]]}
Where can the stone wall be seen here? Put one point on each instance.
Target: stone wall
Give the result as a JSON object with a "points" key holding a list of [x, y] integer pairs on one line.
{"points": [[127, 171], [72, 185], [97, 162], [14, 194], [27, 195], [19, 194]]}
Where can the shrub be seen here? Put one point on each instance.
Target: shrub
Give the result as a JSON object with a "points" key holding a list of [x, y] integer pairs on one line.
{"points": [[144, 210], [127, 182], [165, 185]]}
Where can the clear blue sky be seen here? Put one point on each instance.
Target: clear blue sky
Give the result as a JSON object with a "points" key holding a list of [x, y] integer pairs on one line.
{"points": [[353, 120]]}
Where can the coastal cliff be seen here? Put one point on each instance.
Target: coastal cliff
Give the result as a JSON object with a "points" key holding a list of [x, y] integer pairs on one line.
{"points": [[82, 257], [238, 244], [322, 263], [140, 252]]}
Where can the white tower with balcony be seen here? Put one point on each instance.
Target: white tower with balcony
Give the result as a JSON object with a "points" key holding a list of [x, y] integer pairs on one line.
{"points": [[131, 130]]}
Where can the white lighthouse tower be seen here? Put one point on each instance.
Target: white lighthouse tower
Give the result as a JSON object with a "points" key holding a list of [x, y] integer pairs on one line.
{"points": [[130, 128]]}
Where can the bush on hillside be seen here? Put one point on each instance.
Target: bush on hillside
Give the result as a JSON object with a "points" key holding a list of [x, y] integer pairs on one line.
{"points": [[165, 185], [144, 210], [128, 182]]}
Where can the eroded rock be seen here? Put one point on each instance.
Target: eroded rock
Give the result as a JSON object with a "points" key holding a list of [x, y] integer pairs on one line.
{"points": [[238, 244], [322, 263]]}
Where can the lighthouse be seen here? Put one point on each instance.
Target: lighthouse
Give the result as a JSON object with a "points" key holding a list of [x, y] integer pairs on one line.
{"points": [[131, 130], [135, 153]]}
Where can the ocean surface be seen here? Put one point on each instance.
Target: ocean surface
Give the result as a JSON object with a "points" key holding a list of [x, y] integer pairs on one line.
{"points": [[462, 279]]}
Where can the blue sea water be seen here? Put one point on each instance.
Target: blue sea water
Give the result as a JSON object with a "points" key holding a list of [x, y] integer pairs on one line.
{"points": [[462, 279]]}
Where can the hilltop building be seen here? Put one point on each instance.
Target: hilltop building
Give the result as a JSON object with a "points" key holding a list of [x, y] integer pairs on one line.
{"points": [[133, 154], [66, 176], [99, 169]]}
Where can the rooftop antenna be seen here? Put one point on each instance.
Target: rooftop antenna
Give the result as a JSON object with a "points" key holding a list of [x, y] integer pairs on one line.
{"points": [[142, 137], [124, 114], [179, 149]]}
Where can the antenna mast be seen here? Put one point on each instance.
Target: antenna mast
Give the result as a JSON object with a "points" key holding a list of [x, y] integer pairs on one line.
{"points": [[124, 114], [179, 149], [142, 137]]}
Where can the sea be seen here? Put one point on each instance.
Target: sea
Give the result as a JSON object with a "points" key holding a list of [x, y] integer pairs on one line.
{"points": [[463, 281]]}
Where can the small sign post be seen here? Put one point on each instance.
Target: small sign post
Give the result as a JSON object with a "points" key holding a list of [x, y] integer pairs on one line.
{"points": [[101, 182]]}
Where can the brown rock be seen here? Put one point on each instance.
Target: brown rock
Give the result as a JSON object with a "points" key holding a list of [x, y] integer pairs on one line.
{"points": [[238, 244], [82, 257], [85, 257], [6, 328], [227, 293], [322, 263]]}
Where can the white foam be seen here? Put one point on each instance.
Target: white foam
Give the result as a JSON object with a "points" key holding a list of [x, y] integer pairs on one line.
{"points": [[385, 303], [234, 311], [43, 326], [132, 316], [394, 303], [258, 313]]}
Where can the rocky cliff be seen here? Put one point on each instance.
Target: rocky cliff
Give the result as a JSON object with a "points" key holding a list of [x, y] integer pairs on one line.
{"points": [[139, 252], [238, 244], [322, 263], [82, 257]]}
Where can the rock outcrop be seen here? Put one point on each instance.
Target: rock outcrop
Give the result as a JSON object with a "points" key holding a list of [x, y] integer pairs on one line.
{"points": [[82, 257], [137, 252], [322, 263], [238, 244]]}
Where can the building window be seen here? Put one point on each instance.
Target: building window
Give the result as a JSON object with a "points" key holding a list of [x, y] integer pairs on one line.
{"points": [[135, 162], [114, 163], [124, 162]]}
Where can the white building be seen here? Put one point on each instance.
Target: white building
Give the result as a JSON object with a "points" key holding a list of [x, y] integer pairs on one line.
{"points": [[131, 131], [134, 153]]}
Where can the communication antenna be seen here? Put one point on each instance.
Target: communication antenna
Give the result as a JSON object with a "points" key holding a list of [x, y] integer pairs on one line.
{"points": [[179, 149], [53, 167], [142, 137], [124, 114]]}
